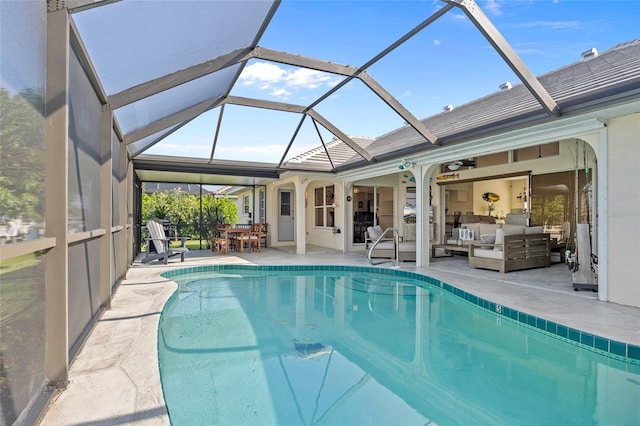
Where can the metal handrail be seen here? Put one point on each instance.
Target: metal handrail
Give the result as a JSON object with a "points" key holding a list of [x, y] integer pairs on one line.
{"points": [[396, 248]]}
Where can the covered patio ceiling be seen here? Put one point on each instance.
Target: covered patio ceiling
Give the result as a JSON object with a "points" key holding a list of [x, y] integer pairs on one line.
{"points": [[161, 67]]}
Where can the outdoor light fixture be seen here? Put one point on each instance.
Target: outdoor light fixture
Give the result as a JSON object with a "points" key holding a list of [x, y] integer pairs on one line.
{"points": [[406, 164], [454, 166]]}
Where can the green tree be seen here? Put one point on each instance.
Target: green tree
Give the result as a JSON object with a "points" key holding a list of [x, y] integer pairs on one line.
{"points": [[183, 210], [22, 170], [216, 211]]}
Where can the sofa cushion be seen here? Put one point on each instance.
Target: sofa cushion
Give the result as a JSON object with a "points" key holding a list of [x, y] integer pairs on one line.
{"points": [[514, 229], [488, 228], [487, 253], [534, 230], [488, 238], [374, 232], [469, 218], [487, 219], [517, 219], [509, 230]]}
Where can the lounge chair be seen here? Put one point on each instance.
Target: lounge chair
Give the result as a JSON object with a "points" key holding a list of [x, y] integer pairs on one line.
{"points": [[161, 244]]}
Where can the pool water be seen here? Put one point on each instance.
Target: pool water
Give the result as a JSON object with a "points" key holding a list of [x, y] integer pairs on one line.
{"points": [[356, 347]]}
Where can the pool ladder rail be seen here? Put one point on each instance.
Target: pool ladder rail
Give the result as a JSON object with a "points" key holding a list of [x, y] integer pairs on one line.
{"points": [[396, 247]]}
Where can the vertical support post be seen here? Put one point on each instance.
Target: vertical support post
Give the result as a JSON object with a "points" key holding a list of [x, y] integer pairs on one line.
{"points": [[603, 215], [422, 216], [201, 227], [106, 212], [57, 194], [123, 249], [131, 239], [300, 218]]}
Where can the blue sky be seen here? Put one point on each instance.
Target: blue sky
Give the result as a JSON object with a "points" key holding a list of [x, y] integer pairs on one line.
{"points": [[448, 62]]}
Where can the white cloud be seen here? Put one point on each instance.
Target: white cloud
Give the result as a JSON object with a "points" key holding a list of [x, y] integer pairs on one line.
{"points": [[281, 93], [492, 7], [261, 73], [437, 42], [282, 82]]}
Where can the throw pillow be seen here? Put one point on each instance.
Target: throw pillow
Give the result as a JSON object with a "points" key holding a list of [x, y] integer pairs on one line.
{"points": [[466, 234], [534, 230], [374, 232]]}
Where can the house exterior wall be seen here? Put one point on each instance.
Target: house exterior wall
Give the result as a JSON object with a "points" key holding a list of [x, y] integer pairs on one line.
{"points": [[623, 210], [319, 236]]}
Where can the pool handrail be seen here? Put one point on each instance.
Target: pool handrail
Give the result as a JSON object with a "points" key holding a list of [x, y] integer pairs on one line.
{"points": [[396, 248]]}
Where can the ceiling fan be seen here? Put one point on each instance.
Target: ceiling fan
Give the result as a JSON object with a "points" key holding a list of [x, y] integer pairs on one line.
{"points": [[455, 165]]}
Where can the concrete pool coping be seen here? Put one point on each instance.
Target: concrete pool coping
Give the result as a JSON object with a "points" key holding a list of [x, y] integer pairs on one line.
{"points": [[114, 379]]}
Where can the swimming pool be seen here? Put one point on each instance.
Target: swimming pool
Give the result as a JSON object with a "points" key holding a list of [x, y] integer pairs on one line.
{"points": [[351, 346]]}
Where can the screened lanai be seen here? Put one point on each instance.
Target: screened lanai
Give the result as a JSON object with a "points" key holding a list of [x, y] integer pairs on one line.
{"points": [[184, 73], [98, 97]]}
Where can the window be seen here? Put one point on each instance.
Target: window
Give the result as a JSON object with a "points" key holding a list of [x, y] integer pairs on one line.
{"points": [[410, 205], [553, 202], [245, 202], [261, 200], [324, 206]]}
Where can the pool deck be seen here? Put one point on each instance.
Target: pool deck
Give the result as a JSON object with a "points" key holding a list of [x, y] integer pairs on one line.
{"points": [[114, 379]]}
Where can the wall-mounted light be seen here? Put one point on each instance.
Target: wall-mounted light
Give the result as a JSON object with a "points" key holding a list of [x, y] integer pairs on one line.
{"points": [[406, 164], [454, 166]]}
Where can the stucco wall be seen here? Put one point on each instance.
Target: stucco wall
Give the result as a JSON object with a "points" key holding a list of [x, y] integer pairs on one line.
{"points": [[623, 212]]}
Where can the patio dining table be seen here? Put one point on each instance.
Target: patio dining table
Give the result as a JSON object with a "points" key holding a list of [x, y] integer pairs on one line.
{"points": [[234, 237]]}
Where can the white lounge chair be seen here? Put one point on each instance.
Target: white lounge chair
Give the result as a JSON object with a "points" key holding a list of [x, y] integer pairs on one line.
{"points": [[161, 244]]}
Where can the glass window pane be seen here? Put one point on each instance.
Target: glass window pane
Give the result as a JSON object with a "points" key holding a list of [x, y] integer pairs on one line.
{"points": [[330, 217], [319, 217], [318, 196], [329, 191], [169, 36]]}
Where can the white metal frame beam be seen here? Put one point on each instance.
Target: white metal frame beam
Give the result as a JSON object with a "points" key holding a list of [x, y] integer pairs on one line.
{"points": [[178, 118], [504, 49], [177, 78], [281, 106]]}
